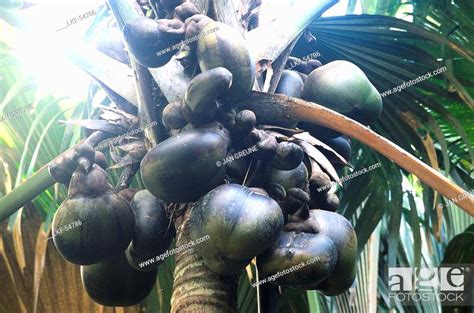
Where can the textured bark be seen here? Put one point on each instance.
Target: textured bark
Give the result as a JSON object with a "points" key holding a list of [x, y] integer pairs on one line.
{"points": [[196, 288]]}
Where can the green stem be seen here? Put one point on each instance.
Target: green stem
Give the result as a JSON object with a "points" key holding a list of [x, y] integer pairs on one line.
{"points": [[36, 184], [123, 11], [26, 192]]}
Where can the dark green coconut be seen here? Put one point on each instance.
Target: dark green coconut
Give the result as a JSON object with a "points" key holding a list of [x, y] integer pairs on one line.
{"points": [[295, 178], [314, 255], [153, 42], [184, 167], [337, 228], [116, 283], [199, 105], [93, 223], [344, 88], [290, 84], [220, 45], [240, 223], [153, 231], [341, 145]]}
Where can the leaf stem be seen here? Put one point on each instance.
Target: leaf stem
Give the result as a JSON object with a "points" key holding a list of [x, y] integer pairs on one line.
{"points": [[37, 183], [272, 107]]}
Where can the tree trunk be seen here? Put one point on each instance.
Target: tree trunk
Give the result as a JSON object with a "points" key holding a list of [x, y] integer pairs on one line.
{"points": [[196, 288]]}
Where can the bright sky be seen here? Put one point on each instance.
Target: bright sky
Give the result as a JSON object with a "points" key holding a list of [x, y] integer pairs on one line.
{"points": [[43, 48]]}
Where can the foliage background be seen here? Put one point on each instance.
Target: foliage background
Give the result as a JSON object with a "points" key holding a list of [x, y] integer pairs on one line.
{"points": [[399, 221]]}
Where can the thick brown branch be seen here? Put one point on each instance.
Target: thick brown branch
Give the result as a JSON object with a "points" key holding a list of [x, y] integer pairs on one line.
{"points": [[270, 107]]}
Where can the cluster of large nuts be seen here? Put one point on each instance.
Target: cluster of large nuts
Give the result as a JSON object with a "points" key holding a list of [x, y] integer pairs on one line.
{"points": [[106, 231], [257, 192], [286, 191]]}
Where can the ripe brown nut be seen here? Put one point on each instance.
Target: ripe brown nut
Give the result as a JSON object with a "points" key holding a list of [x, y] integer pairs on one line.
{"points": [[341, 232], [185, 10], [330, 203], [194, 26], [199, 104], [288, 156], [316, 251], [184, 167], [115, 283], [153, 42], [245, 121], [128, 193], [276, 191], [92, 183], [100, 159], [153, 232], [296, 198], [62, 167], [301, 66], [266, 144], [319, 180], [220, 45], [84, 156], [295, 178], [319, 185], [172, 116], [241, 224], [226, 115], [290, 84], [93, 223]]}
